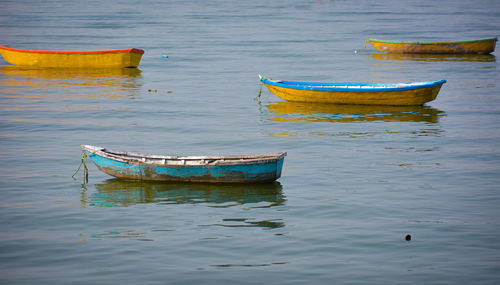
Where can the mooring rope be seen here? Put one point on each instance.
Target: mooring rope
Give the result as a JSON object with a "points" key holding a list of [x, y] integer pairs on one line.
{"points": [[262, 78], [85, 169], [260, 91], [364, 46]]}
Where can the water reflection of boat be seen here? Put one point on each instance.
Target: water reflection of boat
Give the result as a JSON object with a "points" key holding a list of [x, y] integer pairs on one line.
{"points": [[313, 112], [66, 76], [434, 57], [118, 192], [67, 72], [112, 82]]}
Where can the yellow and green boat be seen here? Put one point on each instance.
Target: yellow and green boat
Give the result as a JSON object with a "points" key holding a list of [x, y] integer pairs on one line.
{"points": [[393, 94], [118, 58], [480, 46]]}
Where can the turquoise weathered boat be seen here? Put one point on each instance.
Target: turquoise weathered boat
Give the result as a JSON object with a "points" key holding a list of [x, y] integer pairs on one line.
{"points": [[227, 169]]}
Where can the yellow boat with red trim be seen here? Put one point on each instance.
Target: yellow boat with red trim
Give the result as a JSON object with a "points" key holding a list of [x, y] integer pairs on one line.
{"points": [[480, 46], [393, 94], [118, 58]]}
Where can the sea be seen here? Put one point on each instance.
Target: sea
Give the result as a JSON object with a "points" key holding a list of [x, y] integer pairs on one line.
{"points": [[368, 194]]}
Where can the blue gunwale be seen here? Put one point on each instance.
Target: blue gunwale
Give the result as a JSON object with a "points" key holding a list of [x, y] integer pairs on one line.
{"points": [[352, 87]]}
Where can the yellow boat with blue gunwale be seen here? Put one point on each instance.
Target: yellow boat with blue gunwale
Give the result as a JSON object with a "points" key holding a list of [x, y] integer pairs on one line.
{"points": [[479, 46], [393, 94], [117, 58]]}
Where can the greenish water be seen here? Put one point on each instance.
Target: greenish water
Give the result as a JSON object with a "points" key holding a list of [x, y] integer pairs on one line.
{"points": [[356, 180]]}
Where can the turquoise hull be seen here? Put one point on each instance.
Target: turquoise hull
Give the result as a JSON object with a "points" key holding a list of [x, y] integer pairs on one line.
{"points": [[248, 171]]}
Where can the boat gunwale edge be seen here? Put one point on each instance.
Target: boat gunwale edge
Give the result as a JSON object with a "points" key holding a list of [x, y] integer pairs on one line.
{"points": [[432, 42], [318, 86], [131, 50], [130, 157]]}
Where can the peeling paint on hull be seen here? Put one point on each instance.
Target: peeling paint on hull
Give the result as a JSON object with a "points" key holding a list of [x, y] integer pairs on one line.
{"points": [[257, 170]]}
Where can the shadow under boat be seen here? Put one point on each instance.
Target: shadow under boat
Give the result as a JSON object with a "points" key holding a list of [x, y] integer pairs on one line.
{"points": [[122, 193], [303, 112]]}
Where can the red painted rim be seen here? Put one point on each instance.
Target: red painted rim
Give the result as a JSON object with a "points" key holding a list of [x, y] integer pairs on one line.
{"points": [[132, 50]]}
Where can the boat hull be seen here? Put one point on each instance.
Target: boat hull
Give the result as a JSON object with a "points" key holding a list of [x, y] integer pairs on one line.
{"points": [[482, 46], [260, 171], [73, 59], [411, 97]]}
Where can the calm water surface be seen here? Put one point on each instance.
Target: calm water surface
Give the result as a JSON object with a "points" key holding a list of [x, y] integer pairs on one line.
{"points": [[356, 179]]}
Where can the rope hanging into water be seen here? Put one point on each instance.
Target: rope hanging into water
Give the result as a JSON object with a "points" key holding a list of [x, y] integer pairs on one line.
{"points": [[260, 91], [85, 169], [364, 46], [262, 78]]}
